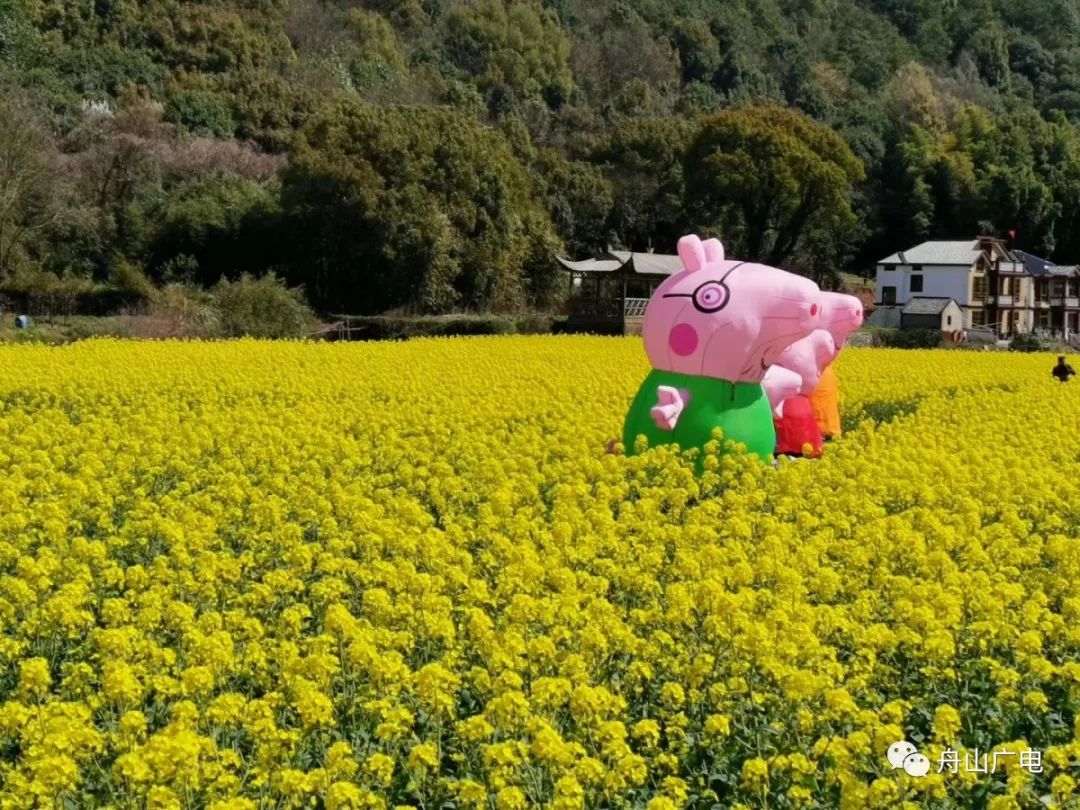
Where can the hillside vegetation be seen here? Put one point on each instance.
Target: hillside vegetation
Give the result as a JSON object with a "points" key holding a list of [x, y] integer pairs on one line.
{"points": [[435, 155]]}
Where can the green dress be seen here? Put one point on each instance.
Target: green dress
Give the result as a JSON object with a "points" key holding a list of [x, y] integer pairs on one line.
{"points": [[740, 409]]}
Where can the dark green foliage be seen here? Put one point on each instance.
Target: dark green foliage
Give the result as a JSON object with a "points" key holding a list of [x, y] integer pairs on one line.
{"points": [[399, 327], [775, 183], [578, 196], [200, 113], [225, 223], [431, 155], [908, 338], [262, 307], [644, 159], [1026, 342], [421, 206]]}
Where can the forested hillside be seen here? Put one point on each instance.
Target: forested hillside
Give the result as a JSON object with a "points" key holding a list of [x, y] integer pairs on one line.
{"points": [[435, 154]]}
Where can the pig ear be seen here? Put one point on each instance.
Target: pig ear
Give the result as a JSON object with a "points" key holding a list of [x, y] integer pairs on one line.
{"points": [[714, 251], [692, 253]]}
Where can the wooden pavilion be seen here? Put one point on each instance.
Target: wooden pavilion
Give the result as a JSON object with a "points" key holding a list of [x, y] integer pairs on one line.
{"points": [[610, 292]]}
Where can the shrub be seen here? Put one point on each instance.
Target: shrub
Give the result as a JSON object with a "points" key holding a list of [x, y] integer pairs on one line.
{"points": [[908, 338], [184, 310], [1026, 342], [400, 327], [130, 283], [36, 292], [201, 113], [261, 307]]}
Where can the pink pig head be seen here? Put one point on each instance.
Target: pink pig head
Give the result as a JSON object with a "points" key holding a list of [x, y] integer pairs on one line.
{"points": [[808, 358], [726, 319], [841, 315], [780, 383]]}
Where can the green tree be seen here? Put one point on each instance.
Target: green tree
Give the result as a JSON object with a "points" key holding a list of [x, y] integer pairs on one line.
{"points": [[413, 207], [26, 182], [643, 158], [579, 199], [514, 46], [775, 184], [227, 224]]}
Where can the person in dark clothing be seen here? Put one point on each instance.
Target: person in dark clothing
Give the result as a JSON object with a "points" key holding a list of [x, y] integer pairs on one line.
{"points": [[1063, 370]]}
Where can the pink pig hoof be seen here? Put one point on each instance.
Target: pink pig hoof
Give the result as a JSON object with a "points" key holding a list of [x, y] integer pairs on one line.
{"points": [[671, 403]]}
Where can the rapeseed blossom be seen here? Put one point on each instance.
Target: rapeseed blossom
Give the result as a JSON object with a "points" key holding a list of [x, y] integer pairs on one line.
{"points": [[250, 574]]}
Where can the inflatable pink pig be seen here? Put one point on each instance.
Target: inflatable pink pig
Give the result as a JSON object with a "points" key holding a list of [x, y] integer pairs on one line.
{"points": [[841, 315], [808, 358], [711, 333], [800, 368], [726, 319]]}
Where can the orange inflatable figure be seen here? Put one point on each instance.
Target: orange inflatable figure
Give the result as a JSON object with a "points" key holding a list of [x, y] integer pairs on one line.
{"points": [[825, 403], [841, 315]]}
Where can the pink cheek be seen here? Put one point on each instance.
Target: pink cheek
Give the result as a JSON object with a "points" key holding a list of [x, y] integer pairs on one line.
{"points": [[683, 339]]}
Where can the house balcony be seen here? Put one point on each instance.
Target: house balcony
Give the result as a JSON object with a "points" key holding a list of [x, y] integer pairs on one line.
{"points": [[1067, 301], [1001, 300]]}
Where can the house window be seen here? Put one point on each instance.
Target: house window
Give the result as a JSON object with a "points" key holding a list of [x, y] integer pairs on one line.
{"points": [[888, 295], [978, 317], [948, 320], [978, 289], [916, 268], [916, 284]]}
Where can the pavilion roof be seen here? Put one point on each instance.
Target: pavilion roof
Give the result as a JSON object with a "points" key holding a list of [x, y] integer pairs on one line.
{"points": [[618, 262]]}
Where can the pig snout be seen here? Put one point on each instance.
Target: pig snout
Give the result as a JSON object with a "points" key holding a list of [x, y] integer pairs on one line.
{"points": [[842, 312]]}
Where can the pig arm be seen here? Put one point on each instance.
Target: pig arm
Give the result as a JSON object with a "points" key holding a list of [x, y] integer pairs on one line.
{"points": [[780, 384], [670, 405]]}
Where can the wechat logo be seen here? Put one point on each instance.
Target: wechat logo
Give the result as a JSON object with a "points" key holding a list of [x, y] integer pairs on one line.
{"points": [[905, 755]]}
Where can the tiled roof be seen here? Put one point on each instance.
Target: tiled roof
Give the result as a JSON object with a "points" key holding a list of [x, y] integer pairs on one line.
{"points": [[653, 264], [646, 264], [947, 253], [591, 265], [1043, 268], [925, 306]]}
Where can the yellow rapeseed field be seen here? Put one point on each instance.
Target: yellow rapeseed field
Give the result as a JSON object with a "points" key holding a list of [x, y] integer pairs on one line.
{"points": [[281, 575]]}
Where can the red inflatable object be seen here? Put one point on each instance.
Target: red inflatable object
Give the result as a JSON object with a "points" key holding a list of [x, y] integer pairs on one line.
{"points": [[798, 428]]}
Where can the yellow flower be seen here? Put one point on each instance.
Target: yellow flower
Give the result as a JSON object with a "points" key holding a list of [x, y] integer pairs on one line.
{"points": [[381, 768], [755, 773], [1063, 787], [510, 798], [160, 797], [119, 683], [344, 796], [34, 677], [946, 724], [423, 549], [717, 726], [1036, 701], [423, 757]]}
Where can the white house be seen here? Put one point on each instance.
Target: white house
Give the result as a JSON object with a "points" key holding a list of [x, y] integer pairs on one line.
{"points": [[987, 281]]}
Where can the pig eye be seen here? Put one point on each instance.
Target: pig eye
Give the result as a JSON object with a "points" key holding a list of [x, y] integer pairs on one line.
{"points": [[712, 296]]}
